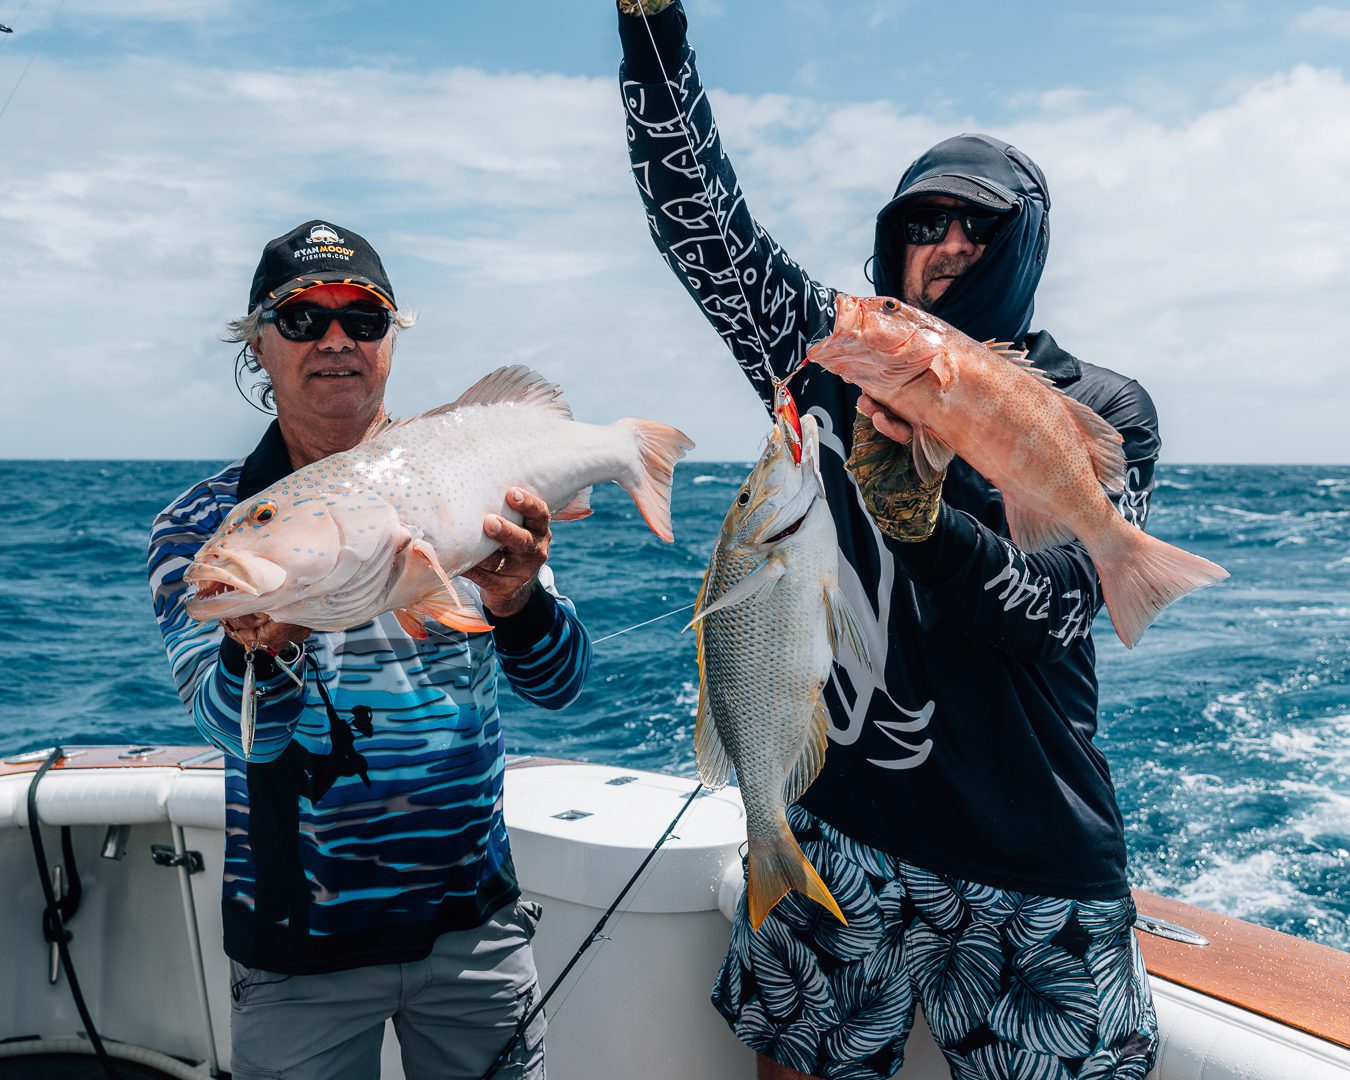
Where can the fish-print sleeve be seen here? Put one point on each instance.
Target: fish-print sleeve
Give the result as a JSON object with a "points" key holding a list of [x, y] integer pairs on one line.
{"points": [[544, 650], [1034, 606], [208, 687], [761, 302]]}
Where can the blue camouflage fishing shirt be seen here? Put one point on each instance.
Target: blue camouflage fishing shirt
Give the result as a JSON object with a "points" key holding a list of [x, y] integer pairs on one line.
{"points": [[344, 849]]}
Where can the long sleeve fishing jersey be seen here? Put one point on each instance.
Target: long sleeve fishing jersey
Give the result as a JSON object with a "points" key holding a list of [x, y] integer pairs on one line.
{"points": [[967, 746], [354, 844]]}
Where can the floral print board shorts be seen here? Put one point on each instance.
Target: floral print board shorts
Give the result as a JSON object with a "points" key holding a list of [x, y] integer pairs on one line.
{"points": [[1012, 985]]}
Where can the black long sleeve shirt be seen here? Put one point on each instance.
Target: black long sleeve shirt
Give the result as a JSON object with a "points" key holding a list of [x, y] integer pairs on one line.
{"points": [[967, 748]]}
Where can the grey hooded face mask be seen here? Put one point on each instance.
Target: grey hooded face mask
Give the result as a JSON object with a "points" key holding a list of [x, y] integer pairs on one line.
{"points": [[995, 297]]}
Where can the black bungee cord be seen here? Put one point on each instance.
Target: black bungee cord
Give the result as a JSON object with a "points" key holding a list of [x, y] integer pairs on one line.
{"points": [[58, 910], [524, 1023]]}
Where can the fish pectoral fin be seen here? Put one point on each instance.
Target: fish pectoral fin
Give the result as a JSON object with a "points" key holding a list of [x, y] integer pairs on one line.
{"points": [[421, 550], [412, 623], [945, 369], [1032, 530], [754, 586], [455, 608], [451, 605], [931, 455], [578, 507], [844, 627]]}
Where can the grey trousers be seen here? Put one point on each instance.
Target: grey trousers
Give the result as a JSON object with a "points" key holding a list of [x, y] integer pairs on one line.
{"points": [[453, 1011]]}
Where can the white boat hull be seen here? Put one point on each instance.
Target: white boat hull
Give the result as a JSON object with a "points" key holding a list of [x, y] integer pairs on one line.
{"points": [[146, 940]]}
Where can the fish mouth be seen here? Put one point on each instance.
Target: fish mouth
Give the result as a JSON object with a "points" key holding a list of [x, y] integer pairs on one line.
{"points": [[776, 537], [225, 584]]}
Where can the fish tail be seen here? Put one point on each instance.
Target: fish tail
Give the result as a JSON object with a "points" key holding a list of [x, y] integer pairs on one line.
{"points": [[660, 446], [1146, 575], [777, 866]]}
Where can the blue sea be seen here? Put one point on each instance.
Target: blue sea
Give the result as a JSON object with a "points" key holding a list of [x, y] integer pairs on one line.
{"points": [[1227, 728]]}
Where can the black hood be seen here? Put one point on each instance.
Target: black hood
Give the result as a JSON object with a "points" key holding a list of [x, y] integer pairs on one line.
{"points": [[994, 298]]}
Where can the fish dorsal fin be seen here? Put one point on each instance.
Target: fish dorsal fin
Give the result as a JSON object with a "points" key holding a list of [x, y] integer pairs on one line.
{"points": [[1033, 531], [514, 385], [812, 758], [1103, 442], [931, 455], [518, 385], [710, 753], [1008, 351], [759, 582]]}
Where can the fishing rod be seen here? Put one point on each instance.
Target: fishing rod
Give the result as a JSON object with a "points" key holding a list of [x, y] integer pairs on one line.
{"points": [[524, 1023]]}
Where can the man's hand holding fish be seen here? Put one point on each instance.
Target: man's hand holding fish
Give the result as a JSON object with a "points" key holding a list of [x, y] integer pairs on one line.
{"points": [[508, 576]]}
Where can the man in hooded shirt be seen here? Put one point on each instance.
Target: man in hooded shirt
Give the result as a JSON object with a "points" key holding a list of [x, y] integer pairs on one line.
{"points": [[963, 820]]}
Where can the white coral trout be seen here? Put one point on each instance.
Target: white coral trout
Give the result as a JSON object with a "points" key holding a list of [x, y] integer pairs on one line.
{"points": [[1049, 455], [388, 524], [770, 620]]}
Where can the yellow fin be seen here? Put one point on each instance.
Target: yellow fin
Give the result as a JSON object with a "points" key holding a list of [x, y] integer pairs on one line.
{"points": [[776, 868]]}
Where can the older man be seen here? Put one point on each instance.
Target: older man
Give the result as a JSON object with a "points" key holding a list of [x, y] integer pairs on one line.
{"points": [[368, 873], [963, 820]]}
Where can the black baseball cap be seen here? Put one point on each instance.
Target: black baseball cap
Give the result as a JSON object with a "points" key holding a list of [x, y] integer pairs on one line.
{"points": [[971, 189], [317, 253]]}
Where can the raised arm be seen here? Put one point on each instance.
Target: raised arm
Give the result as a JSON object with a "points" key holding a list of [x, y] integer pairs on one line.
{"points": [[761, 302]]}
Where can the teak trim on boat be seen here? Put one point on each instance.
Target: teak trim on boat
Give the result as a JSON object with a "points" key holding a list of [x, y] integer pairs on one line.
{"points": [[1287, 979]]}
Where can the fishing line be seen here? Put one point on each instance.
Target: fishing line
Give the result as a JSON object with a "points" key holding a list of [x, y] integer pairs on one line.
{"points": [[523, 1025], [32, 56], [639, 626]]}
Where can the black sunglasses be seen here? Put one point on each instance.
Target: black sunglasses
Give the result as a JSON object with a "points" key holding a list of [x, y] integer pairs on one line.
{"points": [[929, 224], [309, 322]]}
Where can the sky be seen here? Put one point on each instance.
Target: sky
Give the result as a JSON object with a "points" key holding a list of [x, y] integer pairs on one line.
{"points": [[1198, 159]]}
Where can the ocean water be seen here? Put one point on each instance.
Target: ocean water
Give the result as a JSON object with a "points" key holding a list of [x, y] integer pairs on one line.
{"points": [[1227, 728]]}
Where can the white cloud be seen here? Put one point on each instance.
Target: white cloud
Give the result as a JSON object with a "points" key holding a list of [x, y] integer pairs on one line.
{"points": [[1324, 22], [1204, 255]]}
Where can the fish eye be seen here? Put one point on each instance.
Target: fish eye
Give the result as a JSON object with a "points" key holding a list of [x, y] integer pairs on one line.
{"points": [[262, 513], [743, 498], [891, 305]]}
